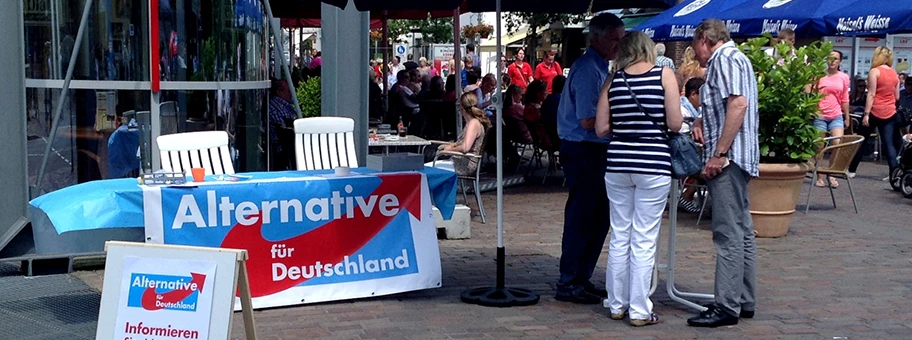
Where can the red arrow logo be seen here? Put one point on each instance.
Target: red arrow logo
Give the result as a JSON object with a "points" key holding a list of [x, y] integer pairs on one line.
{"points": [[329, 243], [150, 297]]}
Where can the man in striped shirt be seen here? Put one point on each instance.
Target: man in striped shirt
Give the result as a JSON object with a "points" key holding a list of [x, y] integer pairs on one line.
{"points": [[661, 59], [732, 153]]}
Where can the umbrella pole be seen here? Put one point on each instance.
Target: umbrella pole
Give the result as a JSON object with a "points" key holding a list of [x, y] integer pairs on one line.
{"points": [[457, 69], [386, 60], [500, 295]]}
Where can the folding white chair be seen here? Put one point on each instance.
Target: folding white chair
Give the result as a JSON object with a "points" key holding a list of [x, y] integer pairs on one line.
{"points": [[325, 143], [181, 152]]}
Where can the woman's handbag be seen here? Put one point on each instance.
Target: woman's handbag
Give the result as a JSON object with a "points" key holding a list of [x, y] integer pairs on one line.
{"points": [[685, 158]]}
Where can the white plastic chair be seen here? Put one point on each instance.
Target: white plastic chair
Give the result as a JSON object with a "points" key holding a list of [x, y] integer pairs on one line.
{"points": [[207, 149], [325, 143]]}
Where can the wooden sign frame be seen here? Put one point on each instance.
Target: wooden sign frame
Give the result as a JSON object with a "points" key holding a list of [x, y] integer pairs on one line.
{"points": [[232, 265]]}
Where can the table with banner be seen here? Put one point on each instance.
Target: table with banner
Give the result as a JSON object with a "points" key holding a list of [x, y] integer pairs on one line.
{"points": [[311, 236]]}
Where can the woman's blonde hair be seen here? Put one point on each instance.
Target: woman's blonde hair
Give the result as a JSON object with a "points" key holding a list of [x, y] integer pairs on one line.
{"points": [[635, 47], [469, 103], [690, 67], [882, 56]]}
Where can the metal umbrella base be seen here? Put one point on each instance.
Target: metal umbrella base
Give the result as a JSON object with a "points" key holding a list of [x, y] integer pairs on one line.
{"points": [[500, 296]]}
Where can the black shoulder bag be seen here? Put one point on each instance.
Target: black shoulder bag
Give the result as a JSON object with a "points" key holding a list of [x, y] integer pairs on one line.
{"points": [[685, 159]]}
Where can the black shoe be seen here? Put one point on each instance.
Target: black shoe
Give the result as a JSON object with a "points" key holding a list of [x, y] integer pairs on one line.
{"points": [[712, 318], [600, 292], [583, 298], [745, 314]]}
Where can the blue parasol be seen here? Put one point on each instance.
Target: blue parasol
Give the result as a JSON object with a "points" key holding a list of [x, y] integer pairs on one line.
{"points": [[805, 17], [679, 22], [870, 17]]}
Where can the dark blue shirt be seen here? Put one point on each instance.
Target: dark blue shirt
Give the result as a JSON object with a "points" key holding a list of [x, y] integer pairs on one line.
{"points": [[580, 97]]}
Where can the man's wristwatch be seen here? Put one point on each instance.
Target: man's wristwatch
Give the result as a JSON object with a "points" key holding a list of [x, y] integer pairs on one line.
{"points": [[721, 154]]}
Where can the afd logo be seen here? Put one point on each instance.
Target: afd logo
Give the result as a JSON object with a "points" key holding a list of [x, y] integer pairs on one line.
{"points": [[156, 292]]}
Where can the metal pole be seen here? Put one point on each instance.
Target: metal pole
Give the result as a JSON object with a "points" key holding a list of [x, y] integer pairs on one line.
{"points": [[291, 47], [386, 60], [457, 57], [63, 93], [54, 67], [854, 61], [277, 34], [673, 292], [498, 104]]}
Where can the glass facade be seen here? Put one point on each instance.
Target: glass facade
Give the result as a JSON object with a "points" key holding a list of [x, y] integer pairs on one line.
{"points": [[214, 67], [114, 47]]}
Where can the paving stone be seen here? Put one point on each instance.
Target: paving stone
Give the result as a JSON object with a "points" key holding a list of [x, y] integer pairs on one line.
{"points": [[836, 274]]}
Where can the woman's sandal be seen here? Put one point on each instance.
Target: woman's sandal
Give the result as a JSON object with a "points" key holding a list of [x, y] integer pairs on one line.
{"points": [[618, 316], [652, 320], [834, 183], [820, 184]]}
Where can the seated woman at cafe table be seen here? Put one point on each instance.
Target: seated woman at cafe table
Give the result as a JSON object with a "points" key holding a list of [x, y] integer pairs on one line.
{"points": [[470, 141]]}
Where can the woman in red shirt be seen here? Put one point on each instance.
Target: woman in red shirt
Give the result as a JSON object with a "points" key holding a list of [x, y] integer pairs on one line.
{"points": [[883, 90], [548, 69], [520, 72]]}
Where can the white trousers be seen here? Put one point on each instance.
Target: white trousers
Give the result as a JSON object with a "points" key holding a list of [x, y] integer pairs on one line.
{"points": [[637, 204]]}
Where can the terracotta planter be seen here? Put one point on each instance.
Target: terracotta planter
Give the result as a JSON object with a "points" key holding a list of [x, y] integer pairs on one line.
{"points": [[773, 197]]}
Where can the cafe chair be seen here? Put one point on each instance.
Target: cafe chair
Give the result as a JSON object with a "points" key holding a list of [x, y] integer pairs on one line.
{"points": [[323, 143], [170, 123], [474, 178], [181, 152], [841, 155]]}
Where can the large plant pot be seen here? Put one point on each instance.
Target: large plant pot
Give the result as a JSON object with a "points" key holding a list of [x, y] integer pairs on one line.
{"points": [[774, 196]]}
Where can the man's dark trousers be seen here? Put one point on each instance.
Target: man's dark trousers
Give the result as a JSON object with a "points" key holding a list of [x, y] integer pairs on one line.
{"points": [[586, 221]]}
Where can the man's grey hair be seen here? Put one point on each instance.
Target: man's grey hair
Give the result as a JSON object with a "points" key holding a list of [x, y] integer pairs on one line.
{"points": [[660, 49], [603, 22], [714, 30]]}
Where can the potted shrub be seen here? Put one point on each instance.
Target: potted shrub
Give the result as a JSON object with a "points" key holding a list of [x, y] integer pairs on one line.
{"points": [[788, 99], [309, 96]]}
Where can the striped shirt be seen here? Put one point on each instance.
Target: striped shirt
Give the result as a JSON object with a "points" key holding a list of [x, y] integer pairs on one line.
{"points": [[665, 62], [638, 143], [730, 73]]}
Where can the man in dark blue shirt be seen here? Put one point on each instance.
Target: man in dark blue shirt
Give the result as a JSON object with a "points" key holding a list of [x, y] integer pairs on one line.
{"points": [[586, 220]]}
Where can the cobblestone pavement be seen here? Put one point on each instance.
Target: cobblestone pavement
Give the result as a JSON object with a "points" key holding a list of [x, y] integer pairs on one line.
{"points": [[836, 275]]}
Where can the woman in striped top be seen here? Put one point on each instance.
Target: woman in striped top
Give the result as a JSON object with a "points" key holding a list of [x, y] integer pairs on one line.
{"points": [[637, 106]]}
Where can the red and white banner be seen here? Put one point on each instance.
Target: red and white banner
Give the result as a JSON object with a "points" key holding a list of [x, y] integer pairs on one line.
{"points": [[310, 239]]}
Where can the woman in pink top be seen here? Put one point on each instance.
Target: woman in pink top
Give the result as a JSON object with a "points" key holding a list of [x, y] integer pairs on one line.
{"points": [[834, 107], [548, 69], [883, 89]]}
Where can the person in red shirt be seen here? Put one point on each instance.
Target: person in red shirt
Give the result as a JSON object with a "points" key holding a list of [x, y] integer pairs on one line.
{"points": [[519, 71], [379, 68], [548, 69]]}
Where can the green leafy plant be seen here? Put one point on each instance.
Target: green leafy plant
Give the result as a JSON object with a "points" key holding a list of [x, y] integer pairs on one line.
{"points": [[788, 98], [208, 62], [309, 93]]}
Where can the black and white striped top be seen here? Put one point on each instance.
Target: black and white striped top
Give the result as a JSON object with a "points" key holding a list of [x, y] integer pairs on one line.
{"points": [[638, 145]]}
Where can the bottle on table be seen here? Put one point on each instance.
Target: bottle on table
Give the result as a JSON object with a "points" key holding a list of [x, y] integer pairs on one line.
{"points": [[402, 131]]}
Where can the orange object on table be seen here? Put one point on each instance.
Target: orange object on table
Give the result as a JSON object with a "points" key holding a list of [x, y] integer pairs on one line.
{"points": [[199, 174]]}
